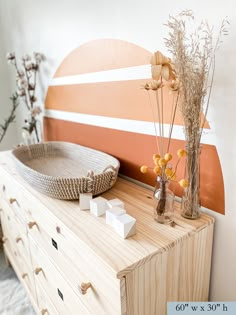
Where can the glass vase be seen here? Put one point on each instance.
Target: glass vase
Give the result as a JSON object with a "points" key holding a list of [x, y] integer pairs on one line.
{"points": [[190, 204], [164, 202]]}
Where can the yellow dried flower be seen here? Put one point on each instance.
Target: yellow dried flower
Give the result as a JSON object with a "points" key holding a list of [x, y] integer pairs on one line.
{"points": [[183, 183], [144, 169], [181, 153], [169, 172], [157, 170], [162, 162], [168, 157], [156, 161], [156, 156]]}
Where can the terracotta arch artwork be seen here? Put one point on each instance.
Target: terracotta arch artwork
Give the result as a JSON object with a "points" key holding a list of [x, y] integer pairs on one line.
{"points": [[95, 99]]}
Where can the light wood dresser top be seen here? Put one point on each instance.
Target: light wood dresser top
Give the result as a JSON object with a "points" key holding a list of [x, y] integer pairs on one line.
{"points": [[120, 256]]}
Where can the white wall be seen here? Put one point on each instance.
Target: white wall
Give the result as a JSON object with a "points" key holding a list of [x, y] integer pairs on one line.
{"points": [[57, 27], [9, 139]]}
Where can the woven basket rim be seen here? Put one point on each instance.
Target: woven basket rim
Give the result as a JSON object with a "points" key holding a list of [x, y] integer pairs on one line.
{"points": [[23, 166]]}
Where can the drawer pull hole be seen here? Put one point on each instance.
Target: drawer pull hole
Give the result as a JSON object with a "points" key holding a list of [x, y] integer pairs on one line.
{"points": [[38, 270], [31, 224], [3, 188], [44, 311], [24, 275], [84, 287], [60, 294], [54, 243], [12, 200]]}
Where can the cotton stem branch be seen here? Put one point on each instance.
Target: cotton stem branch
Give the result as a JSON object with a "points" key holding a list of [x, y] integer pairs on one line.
{"points": [[11, 118]]}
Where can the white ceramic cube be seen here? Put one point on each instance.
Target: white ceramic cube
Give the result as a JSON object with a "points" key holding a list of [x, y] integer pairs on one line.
{"points": [[84, 201], [111, 214], [98, 206], [125, 225], [115, 203]]}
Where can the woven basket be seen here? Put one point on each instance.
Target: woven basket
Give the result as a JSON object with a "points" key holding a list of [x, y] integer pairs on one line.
{"points": [[63, 170]]}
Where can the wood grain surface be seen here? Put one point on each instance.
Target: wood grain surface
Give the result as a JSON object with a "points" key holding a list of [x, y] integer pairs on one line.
{"points": [[135, 276]]}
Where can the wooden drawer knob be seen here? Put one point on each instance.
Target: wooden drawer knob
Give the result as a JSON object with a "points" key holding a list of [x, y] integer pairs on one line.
{"points": [[24, 275], [18, 239], [31, 224], [12, 200], [4, 239], [44, 311], [84, 287], [38, 270]]}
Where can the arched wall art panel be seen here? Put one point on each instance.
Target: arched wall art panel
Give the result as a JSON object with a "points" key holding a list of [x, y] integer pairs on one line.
{"points": [[95, 99]]}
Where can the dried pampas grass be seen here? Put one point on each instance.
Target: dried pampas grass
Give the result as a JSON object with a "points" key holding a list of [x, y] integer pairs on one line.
{"points": [[193, 52]]}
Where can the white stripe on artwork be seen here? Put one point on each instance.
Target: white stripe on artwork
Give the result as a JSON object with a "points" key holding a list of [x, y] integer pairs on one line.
{"points": [[137, 126], [122, 74]]}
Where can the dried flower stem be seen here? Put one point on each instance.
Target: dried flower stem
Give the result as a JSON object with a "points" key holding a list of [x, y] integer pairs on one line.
{"points": [[159, 115], [172, 121], [162, 115], [11, 118], [208, 98], [26, 78], [194, 59], [163, 74], [154, 123]]}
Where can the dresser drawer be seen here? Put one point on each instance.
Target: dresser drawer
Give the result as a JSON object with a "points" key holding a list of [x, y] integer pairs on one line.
{"points": [[8, 248], [17, 230], [23, 271], [75, 261], [16, 243], [27, 276], [48, 277], [45, 305], [8, 239], [3, 219], [12, 196]]}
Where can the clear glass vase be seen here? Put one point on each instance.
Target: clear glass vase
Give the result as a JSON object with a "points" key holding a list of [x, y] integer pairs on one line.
{"points": [[190, 204], [164, 202]]}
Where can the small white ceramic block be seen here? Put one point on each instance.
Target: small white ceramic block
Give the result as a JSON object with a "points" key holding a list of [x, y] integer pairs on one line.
{"points": [[115, 203], [111, 214], [125, 225], [84, 201], [98, 206]]}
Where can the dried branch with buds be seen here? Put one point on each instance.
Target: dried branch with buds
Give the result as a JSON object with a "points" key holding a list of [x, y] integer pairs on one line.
{"points": [[163, 76], [26, 79], [11, 117]]}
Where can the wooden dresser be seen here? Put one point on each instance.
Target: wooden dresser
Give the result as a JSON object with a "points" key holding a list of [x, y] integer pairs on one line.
{"points": [[56, 249]]}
